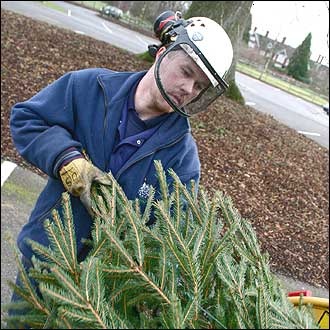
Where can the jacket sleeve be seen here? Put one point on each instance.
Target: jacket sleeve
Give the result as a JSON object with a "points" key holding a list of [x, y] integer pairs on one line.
{"points": [[43, 127]]}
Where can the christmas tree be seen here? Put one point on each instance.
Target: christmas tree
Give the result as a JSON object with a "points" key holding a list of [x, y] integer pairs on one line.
{"points": [[199, 266]]}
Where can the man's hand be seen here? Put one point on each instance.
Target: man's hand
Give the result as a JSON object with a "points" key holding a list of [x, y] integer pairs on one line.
{"points": [[77, 178]]}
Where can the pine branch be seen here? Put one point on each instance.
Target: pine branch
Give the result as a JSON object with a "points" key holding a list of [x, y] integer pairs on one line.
{"points": [[199, 266]]}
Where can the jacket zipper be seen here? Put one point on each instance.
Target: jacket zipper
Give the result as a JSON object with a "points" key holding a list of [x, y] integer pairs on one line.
{"points": [[105, 120], [105, 106]]}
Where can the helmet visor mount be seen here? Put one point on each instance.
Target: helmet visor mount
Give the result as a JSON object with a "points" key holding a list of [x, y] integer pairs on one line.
{"points": [[185, 79]]}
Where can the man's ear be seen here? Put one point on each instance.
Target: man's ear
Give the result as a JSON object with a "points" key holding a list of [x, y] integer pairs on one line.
{"points": [[160, 51]]}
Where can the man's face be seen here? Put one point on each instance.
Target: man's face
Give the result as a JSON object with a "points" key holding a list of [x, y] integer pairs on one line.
{"points": [[182, 79]]}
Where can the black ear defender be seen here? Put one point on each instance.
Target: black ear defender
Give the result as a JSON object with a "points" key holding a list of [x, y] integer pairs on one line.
{"points": [[163, 25], [152, 50]]}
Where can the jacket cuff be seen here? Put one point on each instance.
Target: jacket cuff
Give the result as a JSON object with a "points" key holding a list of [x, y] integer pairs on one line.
{"points": [[65, 158]]}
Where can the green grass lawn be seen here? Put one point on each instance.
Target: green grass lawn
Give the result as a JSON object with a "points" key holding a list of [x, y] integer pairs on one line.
{"points": [[97, 5], [303, 93], [93, 4], [53, 5]]}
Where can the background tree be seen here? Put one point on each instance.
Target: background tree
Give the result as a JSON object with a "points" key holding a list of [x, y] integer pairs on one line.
{"points": [[246, 33], [233, 16], [299, 61]]}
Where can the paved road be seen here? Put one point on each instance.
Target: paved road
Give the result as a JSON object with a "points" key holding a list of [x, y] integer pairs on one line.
{"points": [[305, 117], [18, 196], [82, 21]]}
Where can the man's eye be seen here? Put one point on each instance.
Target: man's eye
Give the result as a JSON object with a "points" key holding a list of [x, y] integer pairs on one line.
{"points": [[185, 72]]}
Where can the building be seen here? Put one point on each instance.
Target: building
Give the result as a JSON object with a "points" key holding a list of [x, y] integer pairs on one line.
{"points": [[267, 47]]}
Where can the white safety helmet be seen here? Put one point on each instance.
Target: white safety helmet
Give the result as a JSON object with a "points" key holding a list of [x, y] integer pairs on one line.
{"points": [[213, 42], [207, 43]]}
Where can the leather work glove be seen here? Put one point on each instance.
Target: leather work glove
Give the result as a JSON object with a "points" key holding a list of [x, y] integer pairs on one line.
{"points": [[77, 177]]}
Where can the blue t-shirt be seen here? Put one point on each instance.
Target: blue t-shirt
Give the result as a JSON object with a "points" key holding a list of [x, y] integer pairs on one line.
{"points": [[132, 133]]}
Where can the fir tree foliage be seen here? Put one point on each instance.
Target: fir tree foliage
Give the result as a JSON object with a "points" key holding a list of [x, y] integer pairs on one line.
{"points": [[298, 66], [199, 266]]}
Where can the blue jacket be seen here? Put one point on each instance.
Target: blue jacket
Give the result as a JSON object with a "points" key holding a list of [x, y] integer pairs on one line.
{"points": [[82, 109]]}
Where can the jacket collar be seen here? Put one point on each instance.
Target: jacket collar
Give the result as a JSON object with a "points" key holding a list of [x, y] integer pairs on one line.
{"points": [[125, 81], [170, 132]]}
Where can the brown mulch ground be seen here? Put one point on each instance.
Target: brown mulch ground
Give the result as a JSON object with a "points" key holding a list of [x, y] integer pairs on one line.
{"points": [[277, 179]]}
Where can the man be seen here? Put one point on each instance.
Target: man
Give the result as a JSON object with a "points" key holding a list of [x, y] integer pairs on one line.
{"points": [[121, 122]]}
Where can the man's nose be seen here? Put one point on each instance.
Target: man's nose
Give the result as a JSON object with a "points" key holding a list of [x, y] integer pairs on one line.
{"points": [[189, 86]]}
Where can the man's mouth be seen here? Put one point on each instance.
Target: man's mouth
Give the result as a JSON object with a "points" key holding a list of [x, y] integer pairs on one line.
{"points": [[177, 100]]}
